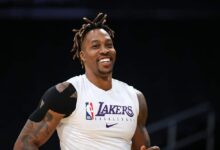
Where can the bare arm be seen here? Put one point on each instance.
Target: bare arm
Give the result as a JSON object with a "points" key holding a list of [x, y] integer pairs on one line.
{"points": [[34, 134], [141, 136], [141, 139]]}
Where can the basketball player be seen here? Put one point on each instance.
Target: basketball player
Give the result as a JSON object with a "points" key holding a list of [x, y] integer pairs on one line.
{"points": [[92, 111]]}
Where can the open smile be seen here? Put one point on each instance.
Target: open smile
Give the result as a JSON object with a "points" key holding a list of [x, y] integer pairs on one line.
{"points": [[104, 60]]}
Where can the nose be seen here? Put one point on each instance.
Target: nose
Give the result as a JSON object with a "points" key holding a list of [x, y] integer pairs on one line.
{"points": [[104, 50]]}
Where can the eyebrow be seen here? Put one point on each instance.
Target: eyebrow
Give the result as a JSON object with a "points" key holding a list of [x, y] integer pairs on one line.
{"points": [[107, 40], [94, 41]]}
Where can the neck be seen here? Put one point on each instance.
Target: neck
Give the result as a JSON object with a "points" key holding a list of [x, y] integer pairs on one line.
{"points": [[103, 82]]}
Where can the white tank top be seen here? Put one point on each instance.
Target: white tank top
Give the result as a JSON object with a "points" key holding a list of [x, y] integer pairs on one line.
{"points": [[102, 120]]}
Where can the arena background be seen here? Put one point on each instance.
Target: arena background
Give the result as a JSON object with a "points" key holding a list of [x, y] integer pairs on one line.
{"points": [[167, 49]]}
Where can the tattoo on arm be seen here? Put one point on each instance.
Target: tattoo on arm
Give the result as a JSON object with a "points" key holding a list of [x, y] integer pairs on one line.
{"points": [[39, 131], [34, 134]]}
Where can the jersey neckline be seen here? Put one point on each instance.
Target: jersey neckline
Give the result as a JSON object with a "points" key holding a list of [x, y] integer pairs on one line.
{"points": [[96, 87]]}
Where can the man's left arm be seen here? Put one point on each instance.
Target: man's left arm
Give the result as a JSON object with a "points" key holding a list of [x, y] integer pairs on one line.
{"points": [[141, 139]]}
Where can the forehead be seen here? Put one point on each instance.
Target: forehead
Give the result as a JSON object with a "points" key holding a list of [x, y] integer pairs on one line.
{"points": [[97, 34]]}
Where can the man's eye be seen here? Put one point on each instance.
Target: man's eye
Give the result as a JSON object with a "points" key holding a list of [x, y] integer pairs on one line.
{"points": [[95, 46], [109, 45]]}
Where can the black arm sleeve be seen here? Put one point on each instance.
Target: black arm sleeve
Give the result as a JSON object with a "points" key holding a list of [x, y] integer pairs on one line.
{"points": [[61, 102]]}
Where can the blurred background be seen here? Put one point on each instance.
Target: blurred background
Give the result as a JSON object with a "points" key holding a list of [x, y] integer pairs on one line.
{"points": [[167, 49]]}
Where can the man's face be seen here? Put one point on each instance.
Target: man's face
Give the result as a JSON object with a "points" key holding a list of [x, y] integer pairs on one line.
{"points": [[98, 53]]}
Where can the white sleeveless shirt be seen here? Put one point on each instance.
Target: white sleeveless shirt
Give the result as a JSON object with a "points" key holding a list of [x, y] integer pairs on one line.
{"points": [[102, 120]]}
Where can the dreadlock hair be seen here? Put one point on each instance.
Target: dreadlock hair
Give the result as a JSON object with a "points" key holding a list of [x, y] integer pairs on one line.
{"points": [[97, 23]]}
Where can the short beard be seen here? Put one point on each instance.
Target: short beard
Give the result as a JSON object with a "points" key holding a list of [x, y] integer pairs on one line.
{"points": [[103, 73]]}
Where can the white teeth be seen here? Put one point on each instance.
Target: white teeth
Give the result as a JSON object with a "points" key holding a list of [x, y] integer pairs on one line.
{"points": [[104, 60]]}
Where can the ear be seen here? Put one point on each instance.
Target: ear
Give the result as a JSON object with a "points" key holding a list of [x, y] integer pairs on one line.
{"points": [[82, 56]]}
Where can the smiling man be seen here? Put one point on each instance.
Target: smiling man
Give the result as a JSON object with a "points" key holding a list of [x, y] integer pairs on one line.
{"points": [[92, 111]]}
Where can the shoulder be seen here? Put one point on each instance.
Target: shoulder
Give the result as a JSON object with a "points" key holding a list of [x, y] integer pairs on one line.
{"points": [[61, 98], [143, 110], [138, 93], [141, 99], [77, 81], [140, 96], [60, 92], [65, 88], [122, 84], [60, 87]]}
